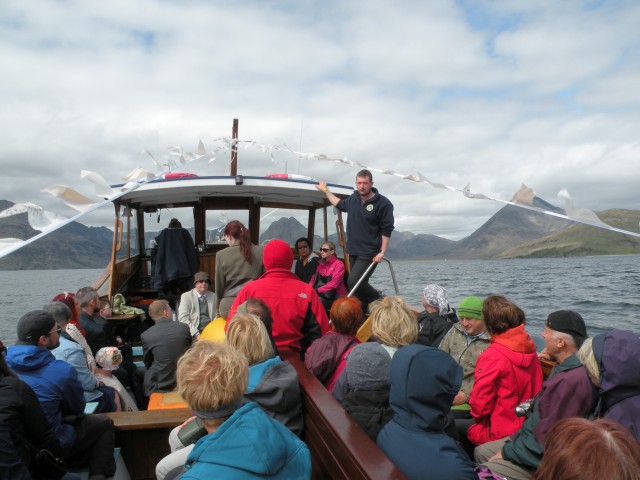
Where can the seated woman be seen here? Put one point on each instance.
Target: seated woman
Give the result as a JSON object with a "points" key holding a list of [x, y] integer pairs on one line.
{"points": [[273, 384], [327, 356], [393, 325], [328, 281], [506, 374], [241, 440], [580, 449], [236, 265]]}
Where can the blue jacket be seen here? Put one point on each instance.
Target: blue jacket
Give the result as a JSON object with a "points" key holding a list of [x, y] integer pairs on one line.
{"points": [[55, 383], [249, 445], [367, 222], [424, 381], [72, 353]]}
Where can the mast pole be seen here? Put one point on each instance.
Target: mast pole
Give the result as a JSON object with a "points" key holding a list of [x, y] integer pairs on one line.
{"points": [[234, 148]]}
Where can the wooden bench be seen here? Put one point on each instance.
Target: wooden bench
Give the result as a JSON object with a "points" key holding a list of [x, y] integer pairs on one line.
{"points": [[143, 438], [339, 448]]}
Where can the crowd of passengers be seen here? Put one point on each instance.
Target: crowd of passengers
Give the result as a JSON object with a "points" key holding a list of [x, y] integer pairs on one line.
{"points": [[458, 393]]}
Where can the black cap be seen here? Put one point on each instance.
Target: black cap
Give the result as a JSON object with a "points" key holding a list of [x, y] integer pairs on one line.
{"points": [[570, 322], [33, 325]]}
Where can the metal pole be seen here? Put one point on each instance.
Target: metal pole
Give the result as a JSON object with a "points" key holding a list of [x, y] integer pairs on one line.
{"points": [[234, 149], [355, 287]]}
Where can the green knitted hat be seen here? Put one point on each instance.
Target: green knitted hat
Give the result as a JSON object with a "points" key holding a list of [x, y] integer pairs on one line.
{"points": [[470, 307]]}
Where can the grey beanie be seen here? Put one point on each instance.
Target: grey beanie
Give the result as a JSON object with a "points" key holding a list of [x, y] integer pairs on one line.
{"points": [[368, 367]]}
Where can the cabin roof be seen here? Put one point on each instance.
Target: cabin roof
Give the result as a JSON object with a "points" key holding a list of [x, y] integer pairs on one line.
{"points": [[190, 190]]}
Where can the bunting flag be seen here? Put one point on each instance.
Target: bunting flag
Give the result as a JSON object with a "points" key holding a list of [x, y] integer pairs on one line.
{"points": [[175, 158]]}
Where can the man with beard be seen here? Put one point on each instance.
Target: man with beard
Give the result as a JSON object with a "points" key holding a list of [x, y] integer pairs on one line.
{"points": [[369, 226]]}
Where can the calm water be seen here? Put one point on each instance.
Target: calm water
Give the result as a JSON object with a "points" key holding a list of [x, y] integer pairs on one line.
{"points": [[605, 290]]}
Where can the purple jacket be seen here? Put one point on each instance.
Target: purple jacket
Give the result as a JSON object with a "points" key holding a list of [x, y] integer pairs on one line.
{"points": [[616, 352], [326, 356]]}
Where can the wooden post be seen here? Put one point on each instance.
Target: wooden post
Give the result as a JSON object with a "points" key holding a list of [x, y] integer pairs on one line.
{"points": [[234, 149]]}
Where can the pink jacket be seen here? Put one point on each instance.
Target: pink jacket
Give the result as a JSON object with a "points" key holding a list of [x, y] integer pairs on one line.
{"points": [[334, 267], [507, 373]]}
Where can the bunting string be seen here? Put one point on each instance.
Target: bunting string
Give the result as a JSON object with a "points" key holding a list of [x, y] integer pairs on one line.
{"points": [[175, 158]]}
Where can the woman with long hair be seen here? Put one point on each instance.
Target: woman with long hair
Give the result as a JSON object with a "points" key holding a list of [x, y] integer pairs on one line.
{"points": [[236, 265]]}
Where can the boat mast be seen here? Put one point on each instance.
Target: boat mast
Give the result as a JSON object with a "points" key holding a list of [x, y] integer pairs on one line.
{"points": [[234, 148]]}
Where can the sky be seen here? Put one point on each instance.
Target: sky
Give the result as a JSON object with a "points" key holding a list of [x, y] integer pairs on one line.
{"points": [[491, 94]]}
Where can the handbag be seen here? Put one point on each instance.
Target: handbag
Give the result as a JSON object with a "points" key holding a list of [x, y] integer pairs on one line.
{"points": [[320, 281], [47, 465]]}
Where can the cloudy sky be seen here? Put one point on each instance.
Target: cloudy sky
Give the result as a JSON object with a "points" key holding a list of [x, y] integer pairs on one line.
{"points": [[488, 93]]}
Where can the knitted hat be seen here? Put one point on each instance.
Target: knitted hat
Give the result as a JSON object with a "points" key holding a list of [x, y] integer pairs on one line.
{"points": [[570, 322], [368, 367], [33, 325], [277, 254], [471, 307], [201, 277]]}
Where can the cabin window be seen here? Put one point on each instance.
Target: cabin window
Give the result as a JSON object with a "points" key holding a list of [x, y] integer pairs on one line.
{"points": [[158, 221], [332, 218], [216, 220], [129, 245]]}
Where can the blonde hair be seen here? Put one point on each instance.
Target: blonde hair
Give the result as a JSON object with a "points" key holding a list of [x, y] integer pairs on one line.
{"points": [[247, 334], [211, 376], [588, 359], [393, 322]]}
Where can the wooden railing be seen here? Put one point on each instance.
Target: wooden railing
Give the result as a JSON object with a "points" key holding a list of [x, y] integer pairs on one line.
{"points": [[339, 448]]}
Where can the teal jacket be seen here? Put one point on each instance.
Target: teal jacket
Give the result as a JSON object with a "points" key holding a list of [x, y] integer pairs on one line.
{"points": [[247, 445]]}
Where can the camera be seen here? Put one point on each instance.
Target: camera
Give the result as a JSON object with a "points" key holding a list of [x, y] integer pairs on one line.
{"points": [[524, 408], [192, 432]]}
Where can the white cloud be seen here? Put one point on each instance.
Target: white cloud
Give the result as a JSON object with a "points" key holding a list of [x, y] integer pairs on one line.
{"points": [[494, 94]]}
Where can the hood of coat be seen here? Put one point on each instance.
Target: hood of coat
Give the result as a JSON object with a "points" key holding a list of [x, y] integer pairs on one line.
{"points": [[248, 430], [616, 352], [516, 340], [424, 381], [277, 254], [27, 358]]}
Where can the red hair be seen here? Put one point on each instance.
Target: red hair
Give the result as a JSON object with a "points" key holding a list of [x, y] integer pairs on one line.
{"points": [[346, 315], [239, 232], [69, 299], [580, 449]]}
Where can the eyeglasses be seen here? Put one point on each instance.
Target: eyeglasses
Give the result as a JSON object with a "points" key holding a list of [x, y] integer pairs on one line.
{"points": [[203, 281], [300, 247], [58, 330], [326, 249]]}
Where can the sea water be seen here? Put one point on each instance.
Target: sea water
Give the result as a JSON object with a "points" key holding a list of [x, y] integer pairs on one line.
{"points": [[604, 290]]}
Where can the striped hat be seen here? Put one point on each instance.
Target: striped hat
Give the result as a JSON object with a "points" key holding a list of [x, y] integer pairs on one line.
{"points": [[470, 307]]}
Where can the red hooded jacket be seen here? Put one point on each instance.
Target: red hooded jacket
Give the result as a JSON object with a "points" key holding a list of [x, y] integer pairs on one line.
{"points": [[298, 314], [507, 374]]}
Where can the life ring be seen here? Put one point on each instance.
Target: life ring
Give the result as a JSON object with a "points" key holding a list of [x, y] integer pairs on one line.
{"points": [[290, 176]]}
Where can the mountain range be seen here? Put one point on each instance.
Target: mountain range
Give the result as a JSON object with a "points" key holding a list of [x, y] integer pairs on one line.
{"points": [[511, 233]]}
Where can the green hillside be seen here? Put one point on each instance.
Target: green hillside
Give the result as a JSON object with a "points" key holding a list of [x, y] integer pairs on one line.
{"points": [[585, 240]]}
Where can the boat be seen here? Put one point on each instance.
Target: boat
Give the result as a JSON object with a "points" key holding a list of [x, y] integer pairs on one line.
{"points": [[339, 448]]}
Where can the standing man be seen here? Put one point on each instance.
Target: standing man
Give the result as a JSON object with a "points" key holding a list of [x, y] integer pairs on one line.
{"points": [[162, 346], [89, 438], [369, 226], [197, 306], [568, 392]]}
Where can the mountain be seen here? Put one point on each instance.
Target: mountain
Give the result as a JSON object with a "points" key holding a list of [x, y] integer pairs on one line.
{"points": [[72, 246], [512, 232]]}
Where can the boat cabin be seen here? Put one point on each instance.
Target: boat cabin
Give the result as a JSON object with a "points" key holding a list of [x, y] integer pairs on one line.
{"points": [[204, 205]]}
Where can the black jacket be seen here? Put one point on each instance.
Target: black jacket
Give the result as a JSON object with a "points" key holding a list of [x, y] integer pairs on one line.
{"points": [[432, 327]]}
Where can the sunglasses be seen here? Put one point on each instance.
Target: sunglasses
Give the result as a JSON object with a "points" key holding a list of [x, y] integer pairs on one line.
{"points": [[58, 330], [300, 247], [203, 281], [326, 249]]}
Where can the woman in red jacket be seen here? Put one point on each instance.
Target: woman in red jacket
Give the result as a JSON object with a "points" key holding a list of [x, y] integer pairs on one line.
{"points": [[506, 374]]}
